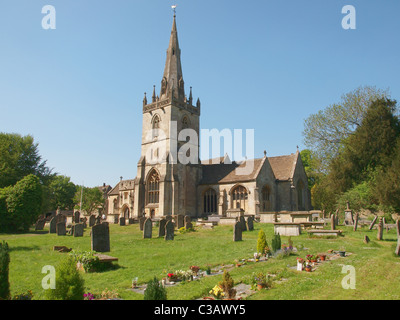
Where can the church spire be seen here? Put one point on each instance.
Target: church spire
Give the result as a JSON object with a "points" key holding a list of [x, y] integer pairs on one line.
{"points": [[173, 77]]}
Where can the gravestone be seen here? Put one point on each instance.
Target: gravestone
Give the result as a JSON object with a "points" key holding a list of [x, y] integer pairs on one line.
{"points": [[333, 222], [40, 224], [356, 222], [78, 230], [373, 223], [122, 221], [98, 220], [380, 229], [397, 251], [161, 227], [92, 220], [71, 231], [60, 218], [169, 230], [179, 221], [61, 229], [147, 229], [187, 219], [366, 240], [77, 216], [53, 225], [141, 222], [168, 217], [237, 231], [101, 237], [348, 215], [188, 225], [243, 223], [250, 223]]}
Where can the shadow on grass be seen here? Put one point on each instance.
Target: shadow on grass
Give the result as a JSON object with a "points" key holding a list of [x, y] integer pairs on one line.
{"points": [[23, 248]]}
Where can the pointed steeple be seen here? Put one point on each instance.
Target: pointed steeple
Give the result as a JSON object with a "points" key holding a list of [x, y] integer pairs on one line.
{"points": [[173, 77]]}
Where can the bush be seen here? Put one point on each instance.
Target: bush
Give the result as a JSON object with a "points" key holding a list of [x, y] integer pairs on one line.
{"points": [[89, 261], [4, 271], [261, 242], [227, 284], [276, 243], [155, 291], [69, 282]]}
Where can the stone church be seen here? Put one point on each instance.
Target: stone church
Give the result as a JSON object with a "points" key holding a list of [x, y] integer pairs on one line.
{"points": [[165, 186]]}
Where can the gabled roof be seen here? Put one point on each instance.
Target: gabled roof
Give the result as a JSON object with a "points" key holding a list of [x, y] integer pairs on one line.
{"points": [[226, 173], [283, 166], [123, 185]]}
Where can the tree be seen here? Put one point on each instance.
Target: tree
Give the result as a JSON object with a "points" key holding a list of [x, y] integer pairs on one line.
{"points": [[261, 242], [92, 199], [19, 157], [20, 205], [311, 165], [325, 132], [62, 192], [155, 291]]}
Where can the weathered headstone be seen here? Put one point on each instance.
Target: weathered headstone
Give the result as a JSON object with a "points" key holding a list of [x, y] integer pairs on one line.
{"points": [[161, 227], [333, 222], [61, 229], [141, 222], [60, 218], [366, 240], [380, 229], [78, 230], [348, 215], [188, 225], [147, 229], [169, 230], [122, 221], [98, 220], [373, 223], [101, 237], [356, 222], [179, 221], [40, 224], [77, 216], [397, 251], [243, 223], [92, 220], [237, 231], [53, 225], [250, 223]]}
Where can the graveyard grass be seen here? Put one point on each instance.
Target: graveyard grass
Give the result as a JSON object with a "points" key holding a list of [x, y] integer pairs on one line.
{"points": [[377, 268]]}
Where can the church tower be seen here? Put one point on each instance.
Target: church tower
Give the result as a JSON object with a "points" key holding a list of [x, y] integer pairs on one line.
{"points": [[164, 184]]}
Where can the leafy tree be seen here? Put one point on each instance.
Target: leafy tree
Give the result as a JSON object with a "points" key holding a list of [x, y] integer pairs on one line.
{"points": [[92, 199], [19, 157], [311, 167], [325, 132], [69, 282], [20, 206], [62, 192]]}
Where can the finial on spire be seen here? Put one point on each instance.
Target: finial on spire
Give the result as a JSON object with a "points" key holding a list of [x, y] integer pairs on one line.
{"points": [[174, 8]]}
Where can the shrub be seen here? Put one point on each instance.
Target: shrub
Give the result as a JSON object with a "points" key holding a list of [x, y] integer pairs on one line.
{"points": [[227, 284], [276, 243], [4, 271], [155, 291], [89, 261], [69, 282], [261, 242]]}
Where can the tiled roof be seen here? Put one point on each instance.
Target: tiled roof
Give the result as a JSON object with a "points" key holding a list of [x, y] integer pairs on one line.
{"points": [[122, 186], [226, 173], [283, 166]]}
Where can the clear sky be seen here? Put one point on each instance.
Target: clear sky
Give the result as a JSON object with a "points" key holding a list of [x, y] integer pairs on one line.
{"points": [[259, 64]]}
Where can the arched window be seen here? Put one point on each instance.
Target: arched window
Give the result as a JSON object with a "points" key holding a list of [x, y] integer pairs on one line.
{"points": [[210, 202], [153, 188], [266, 199], [300, 196], [239, 198]]}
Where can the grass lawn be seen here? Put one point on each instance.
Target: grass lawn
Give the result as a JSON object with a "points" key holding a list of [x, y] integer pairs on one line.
{"points": [[377, 268]]}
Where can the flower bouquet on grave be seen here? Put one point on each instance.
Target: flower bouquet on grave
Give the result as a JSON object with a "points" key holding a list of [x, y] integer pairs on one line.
{"points": [[172, 277], [195, 270], [217, 292], [300, 264]]}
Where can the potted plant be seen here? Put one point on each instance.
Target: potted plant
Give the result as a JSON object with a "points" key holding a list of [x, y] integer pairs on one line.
{"points": [[322, 257], [260, 280], [208, 269], [342, 252], [309, 257], [195, 270], [314, 259]]}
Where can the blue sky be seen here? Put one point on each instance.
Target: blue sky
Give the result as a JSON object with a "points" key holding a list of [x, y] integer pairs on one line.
{"points": [[262, 65]]}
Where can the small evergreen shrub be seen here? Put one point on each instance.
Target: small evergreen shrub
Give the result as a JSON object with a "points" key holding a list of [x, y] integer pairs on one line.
{"points": [[155, 291], [69, 282], [4, 271], [261, 242]]}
